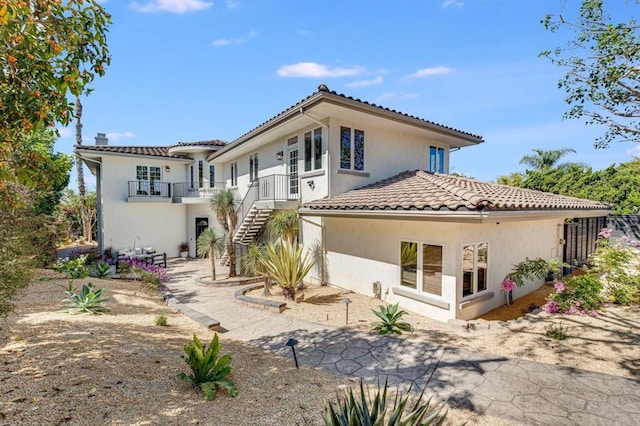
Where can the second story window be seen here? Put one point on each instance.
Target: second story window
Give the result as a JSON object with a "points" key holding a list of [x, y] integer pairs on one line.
{"points": [[351, 149], [200, 173], [212, 175], [146, 177], [313, 150], [436, 159], [253, 167], [234, 174]]}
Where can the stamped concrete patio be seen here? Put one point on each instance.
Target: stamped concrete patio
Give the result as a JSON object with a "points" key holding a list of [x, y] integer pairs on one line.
{"points": [[523, 391]]}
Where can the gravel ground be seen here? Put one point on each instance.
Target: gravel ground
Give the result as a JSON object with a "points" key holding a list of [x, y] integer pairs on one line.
{"points": [[607, 343], [120, 368]]}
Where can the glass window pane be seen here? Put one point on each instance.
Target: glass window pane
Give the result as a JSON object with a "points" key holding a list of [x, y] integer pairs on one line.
{"points": [[432, 269], [432, 159], [142, 173], [483, 262], [358, 153], [317, 148], [307, 151], [467, 270], [409, 264], [212, 175], [293, 172], [200, 173], [345, 148], [440, 160], [255, 165], [251, 168]]}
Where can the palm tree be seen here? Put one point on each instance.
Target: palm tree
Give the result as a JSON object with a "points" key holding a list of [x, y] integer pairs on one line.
{"points": [[252, 265], [208, 243], [284, 224], [544, 160], [225, 205], [286, 265]]}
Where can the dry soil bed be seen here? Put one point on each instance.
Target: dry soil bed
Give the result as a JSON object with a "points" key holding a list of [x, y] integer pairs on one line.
{"points": [[121, 368]]}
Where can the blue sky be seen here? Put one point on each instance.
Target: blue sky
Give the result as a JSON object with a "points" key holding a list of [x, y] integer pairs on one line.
{"points": [[189, 70]]}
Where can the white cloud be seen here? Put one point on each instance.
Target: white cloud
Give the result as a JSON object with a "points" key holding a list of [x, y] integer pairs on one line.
{"points": [[635, 151], [65, 132], [116, 136], [171, 6], [452, 3], [232, 4], [428, 72], [405, 96], [313, 69], [363, 83], [231, 41]]}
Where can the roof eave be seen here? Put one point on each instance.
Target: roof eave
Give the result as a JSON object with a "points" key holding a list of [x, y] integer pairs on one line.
{"points": [[123, 154]]}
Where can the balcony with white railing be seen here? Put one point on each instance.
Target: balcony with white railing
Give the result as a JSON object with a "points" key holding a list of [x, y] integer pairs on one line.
{"points": [[193, 192]]}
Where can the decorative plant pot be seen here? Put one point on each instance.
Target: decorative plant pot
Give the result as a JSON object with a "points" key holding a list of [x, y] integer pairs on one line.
{"points": [[184, 254], [509, 296]]}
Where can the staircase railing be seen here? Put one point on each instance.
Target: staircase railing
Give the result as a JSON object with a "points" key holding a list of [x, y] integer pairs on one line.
{"points": [[266, 188]]}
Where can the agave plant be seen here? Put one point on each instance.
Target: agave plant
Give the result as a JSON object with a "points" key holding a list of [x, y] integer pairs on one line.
{"points": [[89, 301], [363, 410], [208, 371], [390, 320], [101, 270], [287, 266]]}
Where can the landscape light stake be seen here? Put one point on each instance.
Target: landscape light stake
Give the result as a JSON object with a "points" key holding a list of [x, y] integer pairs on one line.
{"points": [[346, 302], [292, 343]]}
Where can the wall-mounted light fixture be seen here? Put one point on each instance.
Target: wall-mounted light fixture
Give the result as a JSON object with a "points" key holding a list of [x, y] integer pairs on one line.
{"points": [[311, 184], [279, 155], [167, 169]]}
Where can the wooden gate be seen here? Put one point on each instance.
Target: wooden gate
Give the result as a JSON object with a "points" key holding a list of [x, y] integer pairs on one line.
{"points": [[580, 238]]}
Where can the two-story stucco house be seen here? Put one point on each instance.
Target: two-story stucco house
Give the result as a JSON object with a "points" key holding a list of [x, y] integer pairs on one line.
{"points": [[378, 209]]}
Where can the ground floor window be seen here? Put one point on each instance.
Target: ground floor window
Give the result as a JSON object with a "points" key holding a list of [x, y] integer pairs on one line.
{"points": [[475, 260], [421, 267]]}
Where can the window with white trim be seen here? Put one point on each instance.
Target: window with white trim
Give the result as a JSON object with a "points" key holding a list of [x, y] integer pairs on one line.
{"points": [[234, 173], [253, 167], [351, 149], [200, 173], [436, 159], [475, 262], [313, 150], [421, 267], [212, 175], [146, 177]]}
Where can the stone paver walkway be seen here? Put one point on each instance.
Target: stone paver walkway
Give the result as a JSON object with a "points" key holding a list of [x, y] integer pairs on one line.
{"points": [[523, 391]]}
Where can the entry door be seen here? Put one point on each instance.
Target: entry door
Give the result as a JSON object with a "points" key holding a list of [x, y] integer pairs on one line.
{"points": [[202, 223], [292, 165]]}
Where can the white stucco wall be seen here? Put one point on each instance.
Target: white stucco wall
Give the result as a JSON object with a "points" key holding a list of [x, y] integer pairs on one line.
{"points": [[160, 225], [387, 152], [362, 251]]}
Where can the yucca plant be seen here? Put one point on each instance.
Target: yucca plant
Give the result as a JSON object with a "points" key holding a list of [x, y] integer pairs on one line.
{"points": [[284, 224], [362, 410], [390, 320], [286, 266], [89, 301], [208, 243], [253, 265], [101, 270], [208, 371]]}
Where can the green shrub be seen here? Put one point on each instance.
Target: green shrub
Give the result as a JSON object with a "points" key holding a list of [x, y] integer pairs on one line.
{"points": [[286, 265], [161, 320], [576, 295], [208, 371], [363, 410], [89, 301], [620, 269], [390, 320], [101, 270], [557, 332]]}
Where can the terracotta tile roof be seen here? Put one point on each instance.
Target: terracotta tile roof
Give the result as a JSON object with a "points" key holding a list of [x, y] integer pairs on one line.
{"points": [[420, 190], [213, 142], [324, 92], [152, 151]]}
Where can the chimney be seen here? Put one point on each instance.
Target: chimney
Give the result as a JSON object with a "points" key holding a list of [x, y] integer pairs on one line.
{"points": [[101, 139]]}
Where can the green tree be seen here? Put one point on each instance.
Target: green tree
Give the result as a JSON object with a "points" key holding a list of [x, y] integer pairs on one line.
{"points": [[284, 224], [545, 160], [208, 243], [225, 206], [76, 210], [603, 61], [49, 49], [512, 179]]}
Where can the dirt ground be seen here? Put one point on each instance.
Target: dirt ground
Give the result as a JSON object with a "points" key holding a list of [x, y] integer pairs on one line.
{"points": [[607, 343], [120, 368]]}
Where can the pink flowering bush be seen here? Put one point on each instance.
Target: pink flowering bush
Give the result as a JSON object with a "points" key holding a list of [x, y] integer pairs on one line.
{"points": [[149, 274], [507, 285], [605, 233], [577, 295]]}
